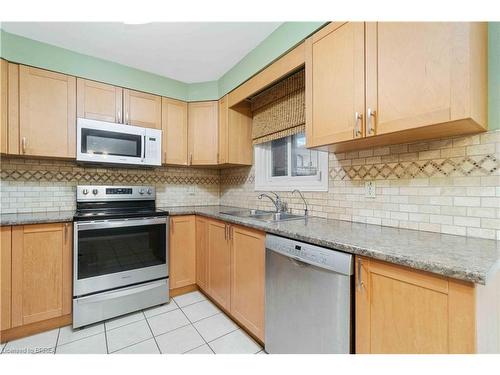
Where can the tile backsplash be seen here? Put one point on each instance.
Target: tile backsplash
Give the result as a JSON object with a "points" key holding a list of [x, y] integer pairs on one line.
{"points": [[29, 185], [449, 185]]}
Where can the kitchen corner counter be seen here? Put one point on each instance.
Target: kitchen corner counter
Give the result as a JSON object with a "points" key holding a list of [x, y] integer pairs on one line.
{"points": [[36, 218], [463, 258]]}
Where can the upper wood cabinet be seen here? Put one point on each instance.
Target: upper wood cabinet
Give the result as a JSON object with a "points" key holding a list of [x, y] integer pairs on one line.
{"points": [[142, 109], [399, 310], [335, 84], [421, 81], [41, 272], [47, 113], [182, 251], [5, 277], [174, 120], [202, 252], [219, 263], [248, 278], [4, 141], [235, 134], [203, 133], [99, 101]]}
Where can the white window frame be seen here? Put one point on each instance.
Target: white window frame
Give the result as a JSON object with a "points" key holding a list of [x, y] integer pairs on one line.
{"points": [[264, 181]]}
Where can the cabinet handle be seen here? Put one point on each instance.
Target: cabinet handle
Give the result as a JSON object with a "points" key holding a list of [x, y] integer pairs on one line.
{"points": [[126, 118], [360, 279], [119, 116], [65, 232], [225, 232], [370, 125], [172, 226], [165, 156], [231, 233], [23, 145], [190, 159], [358, 117]]}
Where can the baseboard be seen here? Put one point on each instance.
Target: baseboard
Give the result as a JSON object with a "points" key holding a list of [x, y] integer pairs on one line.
{"points": [[183, 290], [34, 328]]}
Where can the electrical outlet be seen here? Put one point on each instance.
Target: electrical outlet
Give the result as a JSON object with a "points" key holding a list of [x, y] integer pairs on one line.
{"points": [[370, 189]]}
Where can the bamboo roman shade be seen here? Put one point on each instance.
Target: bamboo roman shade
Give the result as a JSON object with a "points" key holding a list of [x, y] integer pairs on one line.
{"points": [[279, 111]]}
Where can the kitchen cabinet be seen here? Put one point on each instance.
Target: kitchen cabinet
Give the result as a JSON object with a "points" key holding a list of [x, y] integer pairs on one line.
{"points": [[219, 263], [248, 278], [182, 251], [47, 111], [99, 101], [203, 133], [141, 109], [5, 276], [41, 272], [4, 141], [235, 134], [174, 120], [421, 80], [400, 310], [335, 84], [202, 253]]}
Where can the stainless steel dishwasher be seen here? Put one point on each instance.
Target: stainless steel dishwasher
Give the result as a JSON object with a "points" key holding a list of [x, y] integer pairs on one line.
{"points": [[308, 298]]}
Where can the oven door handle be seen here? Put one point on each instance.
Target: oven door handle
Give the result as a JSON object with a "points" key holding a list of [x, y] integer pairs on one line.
{"points": [[105, 224]]}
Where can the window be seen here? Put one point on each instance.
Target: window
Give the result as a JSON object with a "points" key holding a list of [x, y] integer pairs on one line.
{"points": [[286, 164]]}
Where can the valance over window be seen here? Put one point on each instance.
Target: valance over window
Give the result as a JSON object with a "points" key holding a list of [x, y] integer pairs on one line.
{"points": [[279, 111]]}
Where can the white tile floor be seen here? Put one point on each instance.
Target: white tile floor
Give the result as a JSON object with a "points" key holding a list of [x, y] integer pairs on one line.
{"points": [[188, 324]]}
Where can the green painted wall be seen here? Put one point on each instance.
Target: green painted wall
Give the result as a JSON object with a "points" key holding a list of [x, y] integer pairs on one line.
{"points": [[280, 41], [30, 52], [494, 75]]}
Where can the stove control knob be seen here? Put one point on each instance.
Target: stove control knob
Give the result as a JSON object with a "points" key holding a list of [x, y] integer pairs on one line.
{"points": [[85, 191], [95, 191], [150, 191], [141, 191]]}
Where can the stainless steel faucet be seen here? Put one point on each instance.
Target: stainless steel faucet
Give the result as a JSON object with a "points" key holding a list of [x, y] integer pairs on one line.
{"points": [[306, 211], [278, 203]]}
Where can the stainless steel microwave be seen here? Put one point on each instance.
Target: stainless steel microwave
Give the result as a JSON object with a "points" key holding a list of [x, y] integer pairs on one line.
{"points": [[109, 143]]}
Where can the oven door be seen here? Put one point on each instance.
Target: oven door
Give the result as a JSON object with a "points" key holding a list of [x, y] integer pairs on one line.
{"points": [[106, 142], [110, 254]]}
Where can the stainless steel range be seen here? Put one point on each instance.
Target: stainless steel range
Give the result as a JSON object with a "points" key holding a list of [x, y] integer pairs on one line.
{"points": [[120, 262]]}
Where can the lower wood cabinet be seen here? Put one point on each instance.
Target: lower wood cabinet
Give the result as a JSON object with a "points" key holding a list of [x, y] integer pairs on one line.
{"points": [[41, 272], [219, 263], [5, 277], [182, 251], [399, 310], [202, 253], [248, 278]]}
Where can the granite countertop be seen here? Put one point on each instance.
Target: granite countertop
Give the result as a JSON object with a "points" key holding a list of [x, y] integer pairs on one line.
{"points": [[36, 218], [463, 258]]}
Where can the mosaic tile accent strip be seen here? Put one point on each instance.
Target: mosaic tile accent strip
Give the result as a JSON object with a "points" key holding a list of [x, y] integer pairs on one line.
{"points": [[16, 169], [466, 166]]}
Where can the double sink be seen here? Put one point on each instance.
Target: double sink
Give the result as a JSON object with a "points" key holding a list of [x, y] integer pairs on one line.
{"points": [[267, 216]]}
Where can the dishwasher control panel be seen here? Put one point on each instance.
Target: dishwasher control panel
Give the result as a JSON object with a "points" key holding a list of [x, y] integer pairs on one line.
{"points": [[331, 259]]}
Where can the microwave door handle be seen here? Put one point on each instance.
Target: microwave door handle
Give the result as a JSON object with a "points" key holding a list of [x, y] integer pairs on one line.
{"points": [[144, 146]]}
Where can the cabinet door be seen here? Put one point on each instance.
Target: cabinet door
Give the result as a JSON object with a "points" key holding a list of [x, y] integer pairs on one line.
{"points": [[399, 310], [248, 278], [219, 263], [223, 156], [203, 130], [99, 101], [41, 272], [335, 84], [5, 276], [417, 73], [47, 113], [4, 68], [202, 253], [238, 135], [142, 109], [175, 131], [182, 251]]}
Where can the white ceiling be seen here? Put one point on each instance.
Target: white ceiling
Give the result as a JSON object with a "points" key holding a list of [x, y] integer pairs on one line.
{"points": [[186, 51]]}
